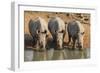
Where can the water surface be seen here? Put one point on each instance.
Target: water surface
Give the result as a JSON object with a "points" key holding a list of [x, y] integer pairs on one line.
{"points": [[52, 54]]}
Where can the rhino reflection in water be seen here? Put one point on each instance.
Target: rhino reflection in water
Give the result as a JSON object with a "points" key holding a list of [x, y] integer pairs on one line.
{"points": [[52, 54], [59, 55], [40, 56], [28, 54]]}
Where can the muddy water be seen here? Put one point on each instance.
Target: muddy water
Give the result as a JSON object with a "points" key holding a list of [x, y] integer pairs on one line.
{"points": [[51, 54]]}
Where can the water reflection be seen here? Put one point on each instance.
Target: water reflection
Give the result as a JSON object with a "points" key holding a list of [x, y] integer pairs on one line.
{"points": [[38, 56], [51, 54], [28, 54], [59, 55]]}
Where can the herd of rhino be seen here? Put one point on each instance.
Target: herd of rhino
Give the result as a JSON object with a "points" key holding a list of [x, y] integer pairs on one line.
{"points": [[40, 29]]}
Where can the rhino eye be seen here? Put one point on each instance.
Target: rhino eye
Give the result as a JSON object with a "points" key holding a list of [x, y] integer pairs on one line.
{"points": [[82, 33], [38, 31], [44, 32], [61, 31]]}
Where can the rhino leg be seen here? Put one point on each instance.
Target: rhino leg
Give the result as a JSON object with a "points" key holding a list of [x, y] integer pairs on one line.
{"points": [[69, 39], [74, 43], [63, 39]]}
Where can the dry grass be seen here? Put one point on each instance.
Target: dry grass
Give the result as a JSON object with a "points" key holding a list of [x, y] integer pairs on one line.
{"points": [[66, 18]]}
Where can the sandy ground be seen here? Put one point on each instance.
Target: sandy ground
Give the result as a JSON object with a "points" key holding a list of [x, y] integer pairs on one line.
{"points": [[66, 18]]}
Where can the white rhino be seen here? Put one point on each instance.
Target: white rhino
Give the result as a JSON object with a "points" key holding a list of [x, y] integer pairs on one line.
{"points": [[39, 30], [57, 28], [75, 32]]}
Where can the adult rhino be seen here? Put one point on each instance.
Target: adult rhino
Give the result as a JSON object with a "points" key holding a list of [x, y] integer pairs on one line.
{"points": [[39, 30], [57, 28], [75, 32]]}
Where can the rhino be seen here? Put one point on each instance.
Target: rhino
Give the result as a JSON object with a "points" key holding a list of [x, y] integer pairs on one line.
{"points": [[75, 33], [38, 28], [56, 27]]}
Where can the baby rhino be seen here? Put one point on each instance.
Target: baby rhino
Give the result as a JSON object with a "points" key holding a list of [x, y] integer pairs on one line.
{"points": [[75, 33]]}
